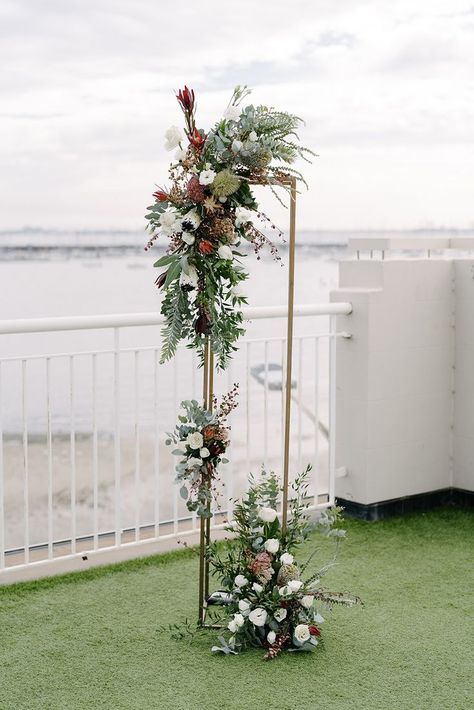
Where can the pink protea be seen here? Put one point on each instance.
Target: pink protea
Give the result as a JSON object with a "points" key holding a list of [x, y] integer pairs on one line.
{"points": [[261, 566], [195, 190]]}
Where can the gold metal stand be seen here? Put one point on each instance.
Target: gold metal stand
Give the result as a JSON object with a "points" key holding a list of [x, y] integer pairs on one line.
{"points": [[208, 383], [205, 523]]}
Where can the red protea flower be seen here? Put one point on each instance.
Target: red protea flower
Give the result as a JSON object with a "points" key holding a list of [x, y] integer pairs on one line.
{"points": [[314, 631], [160, 281], [202, 324], [186, 99], [216, 448], [160, 195], [195, 190], [197, 139], [206, 247]]}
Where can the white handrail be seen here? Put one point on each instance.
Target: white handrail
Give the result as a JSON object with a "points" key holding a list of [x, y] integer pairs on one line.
{"points": [[122, 320]]}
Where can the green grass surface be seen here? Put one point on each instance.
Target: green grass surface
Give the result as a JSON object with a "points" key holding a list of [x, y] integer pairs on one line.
{"points": [[91, 640]]}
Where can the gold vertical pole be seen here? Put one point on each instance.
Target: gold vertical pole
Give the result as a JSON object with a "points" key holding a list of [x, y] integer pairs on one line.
{"points": [[210, 394], [289, 352], [203, 583]]}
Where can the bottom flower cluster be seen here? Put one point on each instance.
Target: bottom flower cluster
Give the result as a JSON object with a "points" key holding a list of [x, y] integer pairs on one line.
{"points": [[276, 604]]}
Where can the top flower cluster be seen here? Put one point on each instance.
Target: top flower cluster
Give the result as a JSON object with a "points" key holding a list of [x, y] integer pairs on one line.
{"points": [[209, 209]]}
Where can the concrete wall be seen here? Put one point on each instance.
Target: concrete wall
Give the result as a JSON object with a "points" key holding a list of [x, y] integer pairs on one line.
{"points": [[400, 428]]}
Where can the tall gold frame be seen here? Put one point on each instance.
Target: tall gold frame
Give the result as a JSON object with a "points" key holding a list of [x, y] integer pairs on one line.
{"points": [[208, 382]]}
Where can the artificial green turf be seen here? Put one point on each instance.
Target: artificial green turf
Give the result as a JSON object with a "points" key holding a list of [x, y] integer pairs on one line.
{"points": [[92, 640]]}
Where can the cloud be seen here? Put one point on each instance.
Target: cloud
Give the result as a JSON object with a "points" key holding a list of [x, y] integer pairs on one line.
{"points": [[87, 90]]}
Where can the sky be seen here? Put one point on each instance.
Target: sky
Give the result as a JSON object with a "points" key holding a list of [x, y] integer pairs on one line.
{"points": [[386, 89]]}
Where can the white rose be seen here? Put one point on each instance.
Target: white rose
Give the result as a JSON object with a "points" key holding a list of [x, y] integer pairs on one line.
{"points": [[194, 440], [188, 238], [258, 616], [191, 219], [168, 220], [307, 601], [206, 177], [268, 515], [193, 461], [189, 278], [232, 113], [173, 138], [225, 252], [240, 580], [180, 155], [239, 620], [253, 136], [204, 452], [294, 585], [232, 626], [301, 633], [271, 636], [257, 588], [242, 216], [244, 606], [236, 146], [280, 614], [272, 545], [286, 559]]}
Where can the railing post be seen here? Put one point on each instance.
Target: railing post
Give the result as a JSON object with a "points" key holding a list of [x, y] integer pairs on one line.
{"points": [[117, 461]]}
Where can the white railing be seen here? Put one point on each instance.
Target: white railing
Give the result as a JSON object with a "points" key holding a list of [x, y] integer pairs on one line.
{"points": [[85, 477]]}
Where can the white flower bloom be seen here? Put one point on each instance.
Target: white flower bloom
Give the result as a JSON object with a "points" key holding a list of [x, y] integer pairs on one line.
{"points": [[280, 614], [232, 626], [222, 199], [283, 591], [191, 219], [271, 636], [307, 601], [294, 585], [258, 616], [301, 633], [204, 452], [194, 461], [194, 440], [242, 216], [189, 277], [268, 515], [180, 154], [169, 220], [244, 606], [239, 620], [240, 580], [188, 238], [253, 136], [206, 177], [232, 113], [236, 145], [225, 252], [272, 545], [173, 137], [286, 559], [238, 291], [257, 588]]}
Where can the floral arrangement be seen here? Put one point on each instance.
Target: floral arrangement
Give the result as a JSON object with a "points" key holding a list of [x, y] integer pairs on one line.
{"points": [[209, 209], [201, 437], [276, 604]]}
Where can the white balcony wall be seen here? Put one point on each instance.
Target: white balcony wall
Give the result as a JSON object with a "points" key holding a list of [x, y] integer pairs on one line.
{"points": [[400, 428], [464, 377]]}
